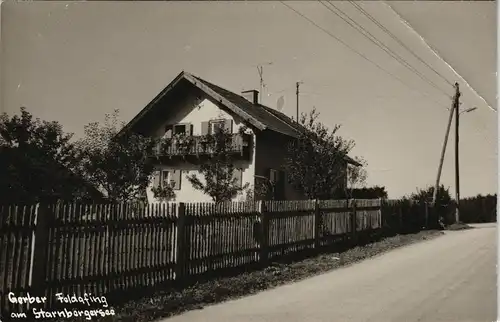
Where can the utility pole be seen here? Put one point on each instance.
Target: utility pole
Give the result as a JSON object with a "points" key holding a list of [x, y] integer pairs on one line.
{"points": [[441, 160], [457, 169], [447, 134]]}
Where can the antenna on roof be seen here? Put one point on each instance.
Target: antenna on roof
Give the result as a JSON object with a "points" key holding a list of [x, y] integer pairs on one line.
{"points": [[260, 69], [297, 93]]}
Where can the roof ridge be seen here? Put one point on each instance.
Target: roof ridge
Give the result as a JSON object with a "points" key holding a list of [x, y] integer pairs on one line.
{"points": [[263, 107], [267, 108]]}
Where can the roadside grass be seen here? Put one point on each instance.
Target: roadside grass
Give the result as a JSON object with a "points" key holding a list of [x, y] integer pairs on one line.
{"points": [[459, 226], [174, 301]]}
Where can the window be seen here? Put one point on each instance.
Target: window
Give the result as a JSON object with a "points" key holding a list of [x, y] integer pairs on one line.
{"points": [[179, 128], [277, 179], [166, 178], [216, 126], [211, 127], [238, 175], [273, 175]]}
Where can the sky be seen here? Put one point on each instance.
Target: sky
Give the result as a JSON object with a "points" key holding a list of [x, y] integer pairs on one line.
{"points": [[75, 61]]}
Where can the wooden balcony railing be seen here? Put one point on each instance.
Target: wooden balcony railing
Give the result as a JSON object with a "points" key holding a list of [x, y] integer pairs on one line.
{"points": [[198, 145]]}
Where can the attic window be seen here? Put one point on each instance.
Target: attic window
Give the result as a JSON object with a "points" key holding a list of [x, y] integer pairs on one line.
{"points": [[216, 126], [180, 128]]}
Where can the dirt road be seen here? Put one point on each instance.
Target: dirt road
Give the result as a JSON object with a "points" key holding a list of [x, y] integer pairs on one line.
{"points": [[451, 278]]}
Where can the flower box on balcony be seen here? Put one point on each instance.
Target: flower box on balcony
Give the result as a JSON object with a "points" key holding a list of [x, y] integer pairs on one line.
{"points": [[199, 145]]}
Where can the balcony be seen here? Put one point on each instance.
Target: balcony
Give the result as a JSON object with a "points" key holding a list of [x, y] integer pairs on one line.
{"points": [[196, 147]]}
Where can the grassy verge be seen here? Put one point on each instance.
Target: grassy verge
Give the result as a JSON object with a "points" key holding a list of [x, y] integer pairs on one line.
{"points": [[459, 226], [171, 302]]}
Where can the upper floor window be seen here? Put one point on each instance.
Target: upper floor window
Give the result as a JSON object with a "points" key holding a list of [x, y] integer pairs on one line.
{"points": [[211, 127], [180, 129], [216, 126], [183, 128]]}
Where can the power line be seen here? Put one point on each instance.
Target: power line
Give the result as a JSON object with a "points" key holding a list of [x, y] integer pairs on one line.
{"points": [[359, 54], [376, 22], [403, 21], [355, 51], [379, 44]]}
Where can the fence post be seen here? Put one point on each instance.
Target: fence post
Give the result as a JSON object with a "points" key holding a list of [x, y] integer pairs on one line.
{"points": [[181, 251], [426, 210], [400, 212], [317, 225], [354, 221], [264, 237], [381, 218], [38, 270]]}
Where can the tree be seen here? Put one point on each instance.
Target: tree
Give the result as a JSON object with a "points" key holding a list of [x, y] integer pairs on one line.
{"points": [[443, 201], [425, 195], [117, 163], [315, 162], [163, 193], [369, 193], [217, 172], [38, 162], [356, 175]]}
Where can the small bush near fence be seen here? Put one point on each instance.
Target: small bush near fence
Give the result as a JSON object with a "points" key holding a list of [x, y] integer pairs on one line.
{"points": [[116, 250]]}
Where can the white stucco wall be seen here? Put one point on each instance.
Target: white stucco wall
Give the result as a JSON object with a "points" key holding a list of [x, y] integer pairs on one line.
{"points": [[196, 111]]}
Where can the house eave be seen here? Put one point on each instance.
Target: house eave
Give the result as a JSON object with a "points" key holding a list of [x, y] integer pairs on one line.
{"points": [[219, 98], [209, 92]]}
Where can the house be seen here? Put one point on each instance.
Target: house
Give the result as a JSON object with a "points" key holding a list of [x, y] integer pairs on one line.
{"points": [[194, 107]]}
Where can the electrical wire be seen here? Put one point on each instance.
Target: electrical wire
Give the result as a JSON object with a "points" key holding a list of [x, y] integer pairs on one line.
{"points": [[357, 52], [379, 44], [403, 21], [400, 42], [388, 32], [364, 57]]}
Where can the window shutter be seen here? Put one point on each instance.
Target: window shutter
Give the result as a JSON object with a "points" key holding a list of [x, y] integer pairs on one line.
{"points": [[168, 131], [176, 179], [238, 175], [189, 129], [204, 128], [228, 125], [156, 179]]}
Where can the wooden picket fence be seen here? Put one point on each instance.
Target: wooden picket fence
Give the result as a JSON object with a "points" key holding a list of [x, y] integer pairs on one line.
{"points": [[115, 249]]}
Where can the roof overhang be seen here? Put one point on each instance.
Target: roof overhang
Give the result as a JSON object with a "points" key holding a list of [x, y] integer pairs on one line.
{"points": [[208, 91]]}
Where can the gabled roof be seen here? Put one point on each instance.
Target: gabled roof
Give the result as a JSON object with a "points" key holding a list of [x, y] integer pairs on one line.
{"points": [[258, 112], [259, 116], [201, 85]]}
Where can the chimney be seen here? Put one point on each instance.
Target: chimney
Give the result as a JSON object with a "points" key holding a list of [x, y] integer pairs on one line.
{"points": [[251, 95]]}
